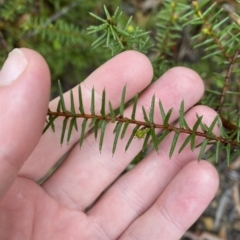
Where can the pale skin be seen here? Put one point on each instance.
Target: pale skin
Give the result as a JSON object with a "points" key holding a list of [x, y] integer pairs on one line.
{"points": [[158, 199]]}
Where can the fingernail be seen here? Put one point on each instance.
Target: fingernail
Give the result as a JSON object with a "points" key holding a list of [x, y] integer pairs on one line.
{"points": [[13, 67]]}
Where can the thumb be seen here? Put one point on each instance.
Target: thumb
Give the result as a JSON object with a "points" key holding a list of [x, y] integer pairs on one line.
{"points": [[24, 97]]}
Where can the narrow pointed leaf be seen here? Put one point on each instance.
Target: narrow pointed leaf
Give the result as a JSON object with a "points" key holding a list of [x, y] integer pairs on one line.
{"points": [[196, 125], [59, 106], [92, 122], [126, 124], [117, 133], [186, 141], [217, 150], [167, 117], [135, 100], [81, 108], [103, 103], [93, 102], [154, 139], [186, 125], [50, 124], [103, 128], [84, 124], [106, 12], [203, 148], [72, 102], [228, 150], [146, 139], [174, 143], [96, 127], [151, 113], [210, 129], [64, 128], [145, 115], [97, 17], [162, 110], [193, 138], [181, 115], [71, 125], [61, 96], [112, 114], [121, 109], [131, 137]]}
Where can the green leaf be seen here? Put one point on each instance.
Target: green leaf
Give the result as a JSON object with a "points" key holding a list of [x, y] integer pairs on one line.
{"points": [[217, 150], [162, 110], [186, 141], [72, 102], [131, 137], [112, 114], [151, 113], [181, 115], [167, 117], [97, 17], [106, 12], [196, 125], [146, 139], [72, 124], [154, 139], [203, 148], [103, 103], [64, 128], [96, 127], [50, 123], [117, 132], [81, 108], [193, 138], [126, 124], [135, 100], [174, 142], [84, 124], [103, 128], [228, 150], [93, 102], [210, 129], [145, 115], [61, 97], [121, 109]]}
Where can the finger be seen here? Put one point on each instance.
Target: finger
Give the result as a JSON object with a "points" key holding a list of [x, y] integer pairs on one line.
{"points": [[137, 190], [129, 68], [179, 206], [86, 169], [24, 96]]}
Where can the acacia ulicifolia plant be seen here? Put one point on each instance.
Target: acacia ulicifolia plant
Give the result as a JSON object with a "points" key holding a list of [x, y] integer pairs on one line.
{"points": [[214, 31]]}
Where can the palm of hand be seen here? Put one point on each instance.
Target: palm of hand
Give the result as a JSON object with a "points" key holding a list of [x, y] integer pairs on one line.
{"points": [[158, 199]]}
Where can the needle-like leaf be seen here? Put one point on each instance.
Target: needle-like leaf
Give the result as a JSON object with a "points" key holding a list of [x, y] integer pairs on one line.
{"points": [[196, 125], [218, 144], [84, 124], [154, 139], [146, 139], [64, 128], [112, 114], [151, 113], [145, 115], [71, 125], [163, 135], [135, 99], [131, 137], [103, 103], [117, 132], [61, 97], [162, 110], [103, 128], [203, 148], [93, 102], [126, 124], [72, 102], [228, 150], [167, 117], [50, 124], [121, 108], [174, 143], [181, 115], [81, 108], [186, 141]]}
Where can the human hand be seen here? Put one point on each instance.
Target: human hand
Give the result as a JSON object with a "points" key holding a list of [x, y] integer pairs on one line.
{"points": [[158, 199]]}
